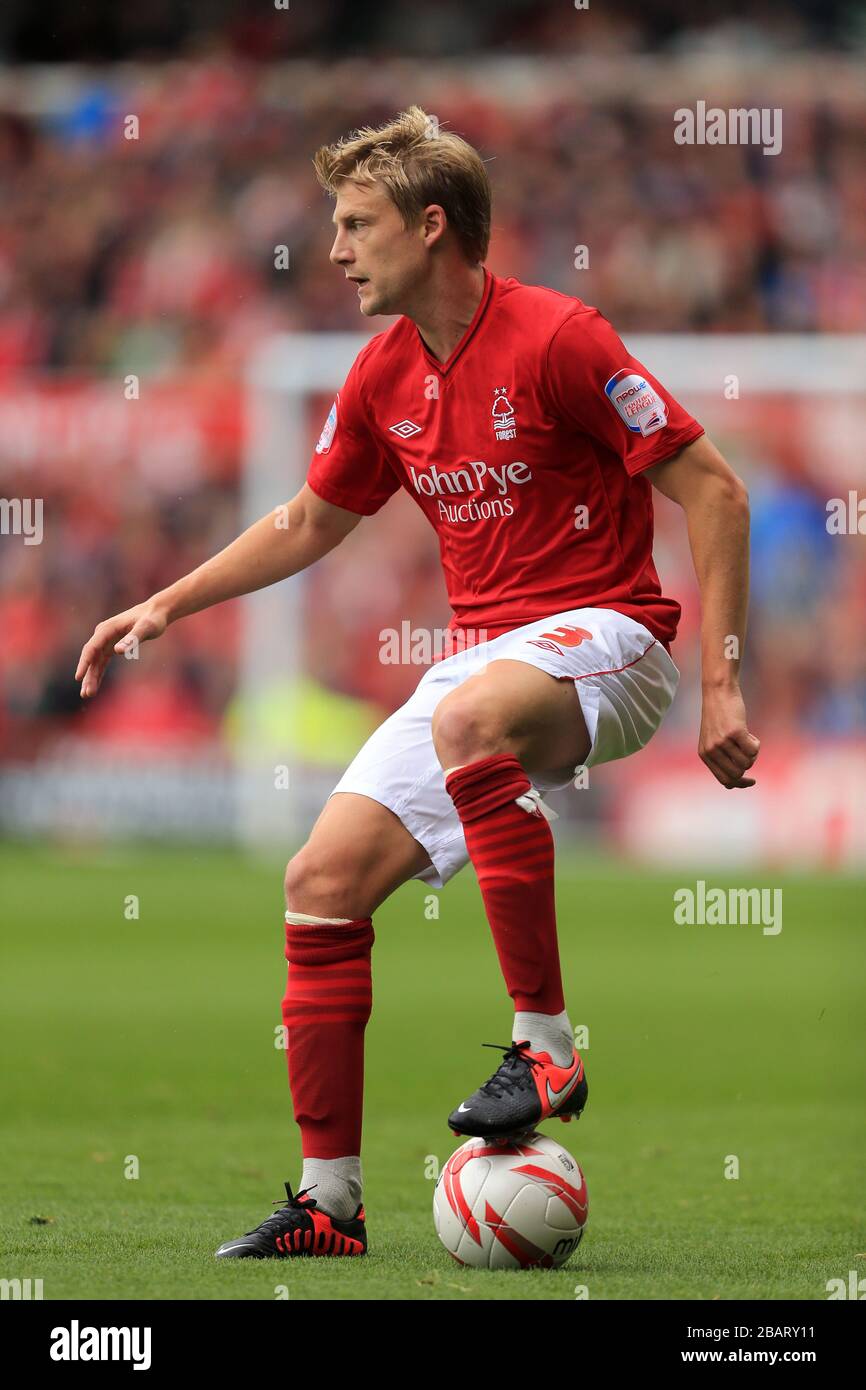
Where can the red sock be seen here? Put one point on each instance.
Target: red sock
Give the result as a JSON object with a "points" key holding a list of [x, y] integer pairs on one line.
{"points": [[328, 1000], [512, 853]]}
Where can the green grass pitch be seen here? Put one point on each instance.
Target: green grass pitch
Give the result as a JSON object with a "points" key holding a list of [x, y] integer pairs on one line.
{"points": [[154, 1038]]}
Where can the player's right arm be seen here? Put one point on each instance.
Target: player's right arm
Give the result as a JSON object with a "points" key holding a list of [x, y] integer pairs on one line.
{"points": [[283, 543]]}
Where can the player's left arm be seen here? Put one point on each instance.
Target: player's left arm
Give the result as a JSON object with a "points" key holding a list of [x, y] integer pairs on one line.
{"points": [[716, 505]]}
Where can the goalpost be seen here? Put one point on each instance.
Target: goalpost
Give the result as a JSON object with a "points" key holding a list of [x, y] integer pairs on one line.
{"points": [[277, 800], [276, 807]]}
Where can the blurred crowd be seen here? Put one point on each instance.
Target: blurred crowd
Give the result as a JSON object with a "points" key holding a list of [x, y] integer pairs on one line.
{"points": [[385, 30], [141, 218], [142, 214]]}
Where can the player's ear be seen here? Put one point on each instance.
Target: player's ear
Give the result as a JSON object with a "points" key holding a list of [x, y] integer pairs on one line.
{"points": [[433, 224]]}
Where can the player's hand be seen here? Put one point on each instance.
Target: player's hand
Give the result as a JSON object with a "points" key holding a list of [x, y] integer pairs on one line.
{"points": [[119, 634], [725, 744]]}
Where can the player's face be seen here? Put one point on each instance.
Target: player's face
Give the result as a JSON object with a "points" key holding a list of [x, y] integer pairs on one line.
{"points": [[375, 250]]}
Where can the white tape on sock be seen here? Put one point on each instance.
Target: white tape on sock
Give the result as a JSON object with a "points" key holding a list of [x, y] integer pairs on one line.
{"points": [[303, 919], [551, 1033], [531, 801], [336, 1184]]}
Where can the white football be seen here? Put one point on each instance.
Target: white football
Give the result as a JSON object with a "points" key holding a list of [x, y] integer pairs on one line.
{"points": [[511, 1204]]}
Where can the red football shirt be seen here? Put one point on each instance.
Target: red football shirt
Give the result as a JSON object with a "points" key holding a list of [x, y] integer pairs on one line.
{"points": [[525, 450]]}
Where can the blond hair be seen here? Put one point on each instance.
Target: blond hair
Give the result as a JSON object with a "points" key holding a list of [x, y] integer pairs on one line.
{"points": [[418, 164]]}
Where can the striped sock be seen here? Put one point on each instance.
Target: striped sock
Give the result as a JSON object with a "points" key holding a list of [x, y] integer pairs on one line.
{"points": [[511, 848], [326, 1006]]}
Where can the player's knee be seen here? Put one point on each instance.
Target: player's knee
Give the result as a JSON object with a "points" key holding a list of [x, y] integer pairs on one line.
{"points": [[466, 725], [324, 885]]}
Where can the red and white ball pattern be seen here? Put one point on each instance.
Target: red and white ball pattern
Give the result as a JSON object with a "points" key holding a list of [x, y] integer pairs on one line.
{"points": [[514, 1204]]}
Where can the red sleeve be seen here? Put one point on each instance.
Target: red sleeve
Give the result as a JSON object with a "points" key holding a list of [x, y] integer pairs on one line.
{"points": [[349, 467], [597, 386]]}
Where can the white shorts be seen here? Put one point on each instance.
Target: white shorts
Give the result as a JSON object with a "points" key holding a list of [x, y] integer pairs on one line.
{"points": [[625, 681]]}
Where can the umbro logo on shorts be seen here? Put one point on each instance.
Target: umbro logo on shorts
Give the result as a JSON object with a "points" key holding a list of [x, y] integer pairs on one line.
{"points": [[405, 429], [567, 636]]}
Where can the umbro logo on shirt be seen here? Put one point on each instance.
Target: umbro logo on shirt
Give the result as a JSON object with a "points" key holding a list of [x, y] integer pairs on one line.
{"points": [[405, 429]]}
